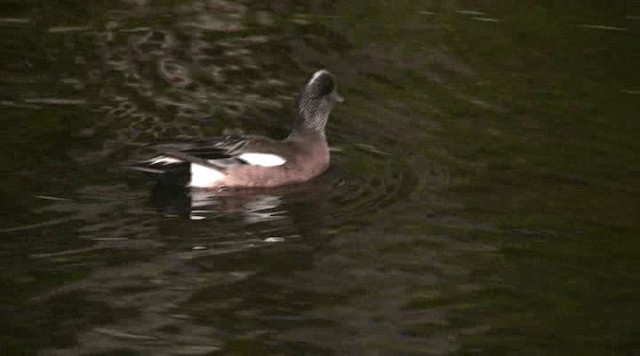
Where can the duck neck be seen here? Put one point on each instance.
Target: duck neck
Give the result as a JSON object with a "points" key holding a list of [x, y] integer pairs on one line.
{"points": [[300, 133], [307, 124], [307, 133]]}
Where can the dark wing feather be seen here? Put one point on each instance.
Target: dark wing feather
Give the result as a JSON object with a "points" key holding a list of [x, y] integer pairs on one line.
{"points": [[222, 152], [218, 153]]}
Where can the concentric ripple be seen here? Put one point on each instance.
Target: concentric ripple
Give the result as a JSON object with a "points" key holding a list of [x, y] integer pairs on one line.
{"points": [[365, 179]]}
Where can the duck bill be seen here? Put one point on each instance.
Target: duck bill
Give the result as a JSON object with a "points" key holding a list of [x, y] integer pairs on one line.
{"points": [[336, 97]]}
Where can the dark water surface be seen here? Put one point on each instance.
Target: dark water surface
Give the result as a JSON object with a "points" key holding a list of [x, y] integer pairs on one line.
{"points": [[483, 195]]}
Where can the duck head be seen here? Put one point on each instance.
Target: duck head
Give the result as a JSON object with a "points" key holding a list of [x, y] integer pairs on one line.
{"points": [[315, 102]]}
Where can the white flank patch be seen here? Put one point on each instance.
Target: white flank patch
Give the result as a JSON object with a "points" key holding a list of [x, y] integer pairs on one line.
{"points": [[262, 159], [164, 160], [204, 177], [317, 74]]}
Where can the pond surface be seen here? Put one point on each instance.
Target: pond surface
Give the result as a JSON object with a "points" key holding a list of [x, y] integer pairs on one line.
{"points": [[483, 195]]}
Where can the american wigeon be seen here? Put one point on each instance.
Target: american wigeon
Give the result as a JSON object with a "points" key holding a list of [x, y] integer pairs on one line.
{"points": [[255, 161]]}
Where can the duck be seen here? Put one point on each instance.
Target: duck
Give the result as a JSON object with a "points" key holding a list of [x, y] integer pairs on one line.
{"points": [[250, 161]]}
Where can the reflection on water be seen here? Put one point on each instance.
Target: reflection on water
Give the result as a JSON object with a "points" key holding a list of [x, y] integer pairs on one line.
{"points": [[481, 195]]}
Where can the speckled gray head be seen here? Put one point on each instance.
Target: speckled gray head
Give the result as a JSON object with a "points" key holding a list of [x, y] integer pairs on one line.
{"points": [[315, 102]]}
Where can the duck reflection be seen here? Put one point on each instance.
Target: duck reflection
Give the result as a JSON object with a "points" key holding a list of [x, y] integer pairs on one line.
{"points": [[297, 202]]}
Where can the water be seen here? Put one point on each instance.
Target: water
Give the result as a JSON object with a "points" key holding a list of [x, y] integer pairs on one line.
{"points": [[482, 196]]}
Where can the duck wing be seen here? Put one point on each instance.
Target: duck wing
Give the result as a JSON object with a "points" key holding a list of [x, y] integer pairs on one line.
{"points": [[176, 162]]}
